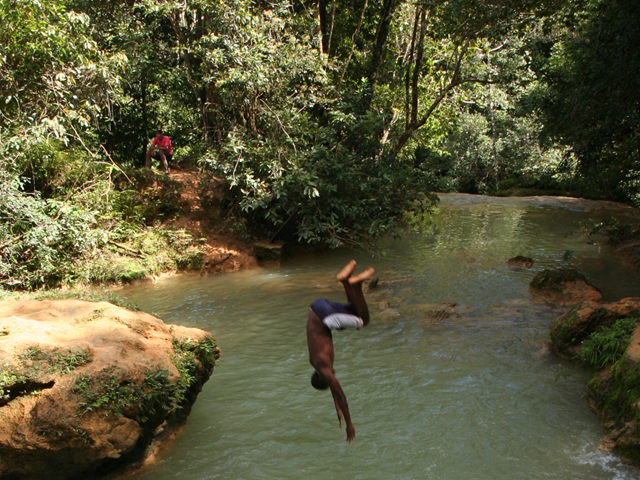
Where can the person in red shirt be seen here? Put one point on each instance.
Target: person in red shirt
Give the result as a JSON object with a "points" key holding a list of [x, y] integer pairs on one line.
{"points": [[160, 150]]}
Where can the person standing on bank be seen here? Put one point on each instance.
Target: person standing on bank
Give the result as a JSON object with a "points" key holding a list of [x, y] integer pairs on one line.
{"points": [[160, 150], [325, 316]]}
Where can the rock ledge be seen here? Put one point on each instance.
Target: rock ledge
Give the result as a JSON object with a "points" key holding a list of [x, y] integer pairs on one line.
{"points": [[85, 387]]}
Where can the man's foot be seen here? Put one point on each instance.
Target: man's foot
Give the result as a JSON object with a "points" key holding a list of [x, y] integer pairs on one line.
{"points": [[346, 272], [166, 171], [361, 276]]}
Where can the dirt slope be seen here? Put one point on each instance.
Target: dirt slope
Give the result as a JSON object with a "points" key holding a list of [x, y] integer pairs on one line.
{"points": [[224, 252]]}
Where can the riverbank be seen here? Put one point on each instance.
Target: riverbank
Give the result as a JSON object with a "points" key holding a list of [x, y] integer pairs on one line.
{"points": [[605, 337], [222, 251]]}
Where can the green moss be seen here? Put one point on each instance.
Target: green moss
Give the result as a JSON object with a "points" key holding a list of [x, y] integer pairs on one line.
{"points": [[554, 279], [115, 397], [9, 376], [188, 355], [563, 333], [35, 360], [192, 259], [156, 394]]}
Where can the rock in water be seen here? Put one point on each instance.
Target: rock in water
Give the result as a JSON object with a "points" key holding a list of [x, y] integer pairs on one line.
{"points": [[520, 261], [268, 251], [570, 329], [563, 286], [85, 386], [613, 391], [370, 283]]}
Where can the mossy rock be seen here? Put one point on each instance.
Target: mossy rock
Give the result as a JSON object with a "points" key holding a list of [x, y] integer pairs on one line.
{"points": [[614, 394], [268, 251], [84, 386], [563, 286], [556, 278], [569, 330]]}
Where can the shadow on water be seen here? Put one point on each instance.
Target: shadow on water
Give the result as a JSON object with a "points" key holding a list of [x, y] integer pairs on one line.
{"points": [[466, 392]]}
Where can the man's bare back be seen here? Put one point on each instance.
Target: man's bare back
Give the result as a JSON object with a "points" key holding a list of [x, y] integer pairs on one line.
{"points": [[325, 315]]}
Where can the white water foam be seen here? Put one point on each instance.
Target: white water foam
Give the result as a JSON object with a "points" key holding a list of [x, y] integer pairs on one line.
{"points": [[607, 461]]}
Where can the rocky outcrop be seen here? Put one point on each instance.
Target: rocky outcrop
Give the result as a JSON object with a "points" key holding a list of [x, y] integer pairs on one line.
{"points": [[563, 286], [628, 249], [571, 329], [613, 392], [85, 387], [520, 261]]}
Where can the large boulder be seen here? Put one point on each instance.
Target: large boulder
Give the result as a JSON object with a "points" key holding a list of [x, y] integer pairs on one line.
{"points": [[563, 286], [570, 329], [85, 387]]}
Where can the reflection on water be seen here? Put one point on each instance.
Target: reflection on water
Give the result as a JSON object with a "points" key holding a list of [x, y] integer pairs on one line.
{"points": [[450, 381]]}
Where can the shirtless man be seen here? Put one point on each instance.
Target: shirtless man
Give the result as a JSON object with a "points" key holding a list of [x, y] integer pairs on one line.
{"points": [[325, 316]]}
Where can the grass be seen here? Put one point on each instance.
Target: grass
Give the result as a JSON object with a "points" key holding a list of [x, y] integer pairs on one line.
{"points": [[607, 345], [35, 362], [35, 359]]}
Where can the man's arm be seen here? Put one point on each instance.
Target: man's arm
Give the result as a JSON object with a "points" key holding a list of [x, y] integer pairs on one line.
{"points": [[340, 401]]}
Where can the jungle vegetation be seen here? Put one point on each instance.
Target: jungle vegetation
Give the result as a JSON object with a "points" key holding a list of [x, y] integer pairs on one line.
{"points": [[326, 121]]}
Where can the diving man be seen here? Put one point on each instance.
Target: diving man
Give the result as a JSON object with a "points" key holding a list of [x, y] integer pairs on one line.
{"points": [[325, 316]]}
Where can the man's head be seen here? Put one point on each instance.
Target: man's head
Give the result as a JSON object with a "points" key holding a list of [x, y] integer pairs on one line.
{"points": [[159, 134], [317, 382]]}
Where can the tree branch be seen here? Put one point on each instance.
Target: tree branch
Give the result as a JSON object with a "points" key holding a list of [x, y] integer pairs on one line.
{"points": [[353, 42]]}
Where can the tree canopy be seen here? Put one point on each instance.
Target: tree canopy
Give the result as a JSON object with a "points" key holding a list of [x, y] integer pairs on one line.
{"points": [[326, 121]]}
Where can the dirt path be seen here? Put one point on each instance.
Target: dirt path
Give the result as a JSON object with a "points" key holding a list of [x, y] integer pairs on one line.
{"points": [[224, 252]]}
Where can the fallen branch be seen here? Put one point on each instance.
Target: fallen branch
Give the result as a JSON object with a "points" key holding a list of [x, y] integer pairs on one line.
{"points": [[221, 261], [133, 251]]}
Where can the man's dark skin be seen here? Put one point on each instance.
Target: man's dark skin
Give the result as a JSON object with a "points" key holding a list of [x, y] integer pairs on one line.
{"points": [[320, 342], [160, 151]]}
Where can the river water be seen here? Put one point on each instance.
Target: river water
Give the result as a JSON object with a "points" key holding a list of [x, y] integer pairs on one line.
{"points": [[464, 391]]}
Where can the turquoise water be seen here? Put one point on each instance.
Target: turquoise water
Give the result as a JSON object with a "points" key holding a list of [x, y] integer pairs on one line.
{"points": [[466, 394]]}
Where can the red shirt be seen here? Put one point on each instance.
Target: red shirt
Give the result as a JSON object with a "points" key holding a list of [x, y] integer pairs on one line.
{"points": [[165, 142]]}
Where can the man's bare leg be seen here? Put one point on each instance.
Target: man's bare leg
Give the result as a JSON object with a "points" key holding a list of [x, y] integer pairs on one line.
{"points": [[163, 162], [346, 272], [147, 162], [353, 288]]}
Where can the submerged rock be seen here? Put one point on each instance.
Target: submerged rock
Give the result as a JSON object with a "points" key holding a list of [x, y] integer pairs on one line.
{"points": [[520, 261], [85, 387], [563, 286], [268, 251], [370, 283]]}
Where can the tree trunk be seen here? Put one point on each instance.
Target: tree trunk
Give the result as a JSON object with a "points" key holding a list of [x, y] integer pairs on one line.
{"points": [[353, 42], [145, 121], [184, 47], [324, 31], [382, 32]]}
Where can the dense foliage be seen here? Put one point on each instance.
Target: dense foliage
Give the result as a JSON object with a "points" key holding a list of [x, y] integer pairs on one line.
{"points": [[325, 122]]}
